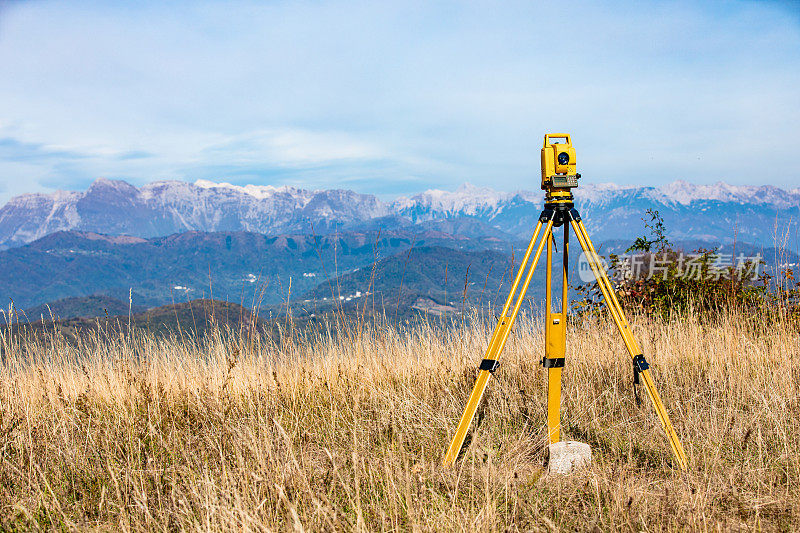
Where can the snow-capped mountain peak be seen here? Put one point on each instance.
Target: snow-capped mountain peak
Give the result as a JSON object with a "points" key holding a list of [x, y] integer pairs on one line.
{"points": [[467, 199], [105, 184], [685, 193], [260, 192]]}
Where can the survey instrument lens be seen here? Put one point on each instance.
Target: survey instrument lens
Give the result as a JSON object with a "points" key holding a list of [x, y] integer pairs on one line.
{"points": [[563, 158]]}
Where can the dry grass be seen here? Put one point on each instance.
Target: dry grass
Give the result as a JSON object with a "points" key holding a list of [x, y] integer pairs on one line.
{"points": [[348, 434]]}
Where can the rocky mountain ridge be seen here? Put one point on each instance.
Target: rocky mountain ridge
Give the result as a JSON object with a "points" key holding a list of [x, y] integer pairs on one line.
{"points": [[718, 212]]}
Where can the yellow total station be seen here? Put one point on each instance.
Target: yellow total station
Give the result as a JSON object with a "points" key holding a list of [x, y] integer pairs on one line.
{"points": [[558, 162], [559, 177]]}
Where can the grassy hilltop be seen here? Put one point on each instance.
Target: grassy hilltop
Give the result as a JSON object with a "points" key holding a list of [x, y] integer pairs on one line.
{"points": [[347, 431]]}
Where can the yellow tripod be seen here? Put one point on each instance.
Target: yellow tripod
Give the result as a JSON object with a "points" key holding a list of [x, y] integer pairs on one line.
{"points": [[558, 177]]}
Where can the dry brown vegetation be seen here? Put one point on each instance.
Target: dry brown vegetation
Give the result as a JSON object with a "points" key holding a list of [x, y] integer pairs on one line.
{"points": [[347, 431]]}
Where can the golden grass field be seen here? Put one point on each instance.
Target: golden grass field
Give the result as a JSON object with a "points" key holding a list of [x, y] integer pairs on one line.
{"points": [[347, 431]]}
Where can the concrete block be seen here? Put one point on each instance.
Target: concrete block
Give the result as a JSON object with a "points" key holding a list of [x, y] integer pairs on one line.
{"points": [[568, 456]]}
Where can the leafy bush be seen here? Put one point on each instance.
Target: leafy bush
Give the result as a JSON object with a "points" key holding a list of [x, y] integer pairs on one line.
{"points": [[659, 280]]}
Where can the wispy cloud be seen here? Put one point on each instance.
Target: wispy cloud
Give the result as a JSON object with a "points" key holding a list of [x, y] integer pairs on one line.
{"points": [[294, 148], [396, 96], [14, 150]]}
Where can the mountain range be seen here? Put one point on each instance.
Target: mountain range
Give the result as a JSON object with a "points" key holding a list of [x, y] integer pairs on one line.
{"points": [[718, 213], [116, 246]]}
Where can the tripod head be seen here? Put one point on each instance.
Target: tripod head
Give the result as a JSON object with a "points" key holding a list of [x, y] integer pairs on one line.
{"points": [[559, 173]]}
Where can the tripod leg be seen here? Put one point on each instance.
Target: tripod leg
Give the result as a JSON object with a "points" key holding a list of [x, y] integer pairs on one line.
{"points": [[499, 337], [556, 346], [554, 350], [618, 316]]}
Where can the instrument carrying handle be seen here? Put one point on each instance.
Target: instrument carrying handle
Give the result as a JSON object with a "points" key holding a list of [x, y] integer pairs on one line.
{"points": [[549, 136]]}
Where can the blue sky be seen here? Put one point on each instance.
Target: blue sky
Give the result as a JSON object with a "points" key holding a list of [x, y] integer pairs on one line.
{"points": [[393, 98]]}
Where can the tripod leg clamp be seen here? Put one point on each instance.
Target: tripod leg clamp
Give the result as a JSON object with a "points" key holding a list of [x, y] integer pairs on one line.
{"points": [[640, 364], [547, 215], [489, 364], [556, 362]]}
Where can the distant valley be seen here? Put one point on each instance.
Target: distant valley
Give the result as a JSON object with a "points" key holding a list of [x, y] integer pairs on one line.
{"points": [[247, 268]]}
